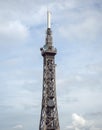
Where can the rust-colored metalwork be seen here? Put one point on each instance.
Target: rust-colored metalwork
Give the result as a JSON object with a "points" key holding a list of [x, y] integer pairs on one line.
{"points": [[49, 114]]}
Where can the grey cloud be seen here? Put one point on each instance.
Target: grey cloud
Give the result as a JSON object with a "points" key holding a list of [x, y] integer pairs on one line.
{"points": [[19, 17], [96, 114], [86, 28], [13, 30], [19, 126], [80, 123], [95, 68]]}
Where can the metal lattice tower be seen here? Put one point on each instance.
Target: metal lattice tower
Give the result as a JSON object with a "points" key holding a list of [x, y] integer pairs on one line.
{"points": [[49, 114]]}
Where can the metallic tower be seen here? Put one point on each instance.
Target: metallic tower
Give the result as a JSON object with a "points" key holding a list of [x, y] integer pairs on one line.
{"points": [[49, 114]]}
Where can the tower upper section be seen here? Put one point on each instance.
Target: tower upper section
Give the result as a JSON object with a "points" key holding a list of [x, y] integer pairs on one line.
{"points": [[49, 113], [48, 47]]}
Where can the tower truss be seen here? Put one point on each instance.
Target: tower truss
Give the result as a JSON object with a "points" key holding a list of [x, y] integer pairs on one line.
{"points": [[49, 113]]}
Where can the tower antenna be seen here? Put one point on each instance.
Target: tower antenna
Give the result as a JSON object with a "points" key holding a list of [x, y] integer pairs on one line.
{"points": [[48, 19]]}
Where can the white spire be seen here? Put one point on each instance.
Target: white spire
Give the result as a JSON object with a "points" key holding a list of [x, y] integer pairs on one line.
{"points": [[48, 19]]}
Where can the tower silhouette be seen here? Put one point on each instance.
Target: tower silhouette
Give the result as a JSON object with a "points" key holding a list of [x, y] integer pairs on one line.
{"points": [[49, 114]]}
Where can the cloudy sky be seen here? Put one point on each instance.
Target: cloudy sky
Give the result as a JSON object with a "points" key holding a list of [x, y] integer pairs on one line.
{"points": [[77, 30]]}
